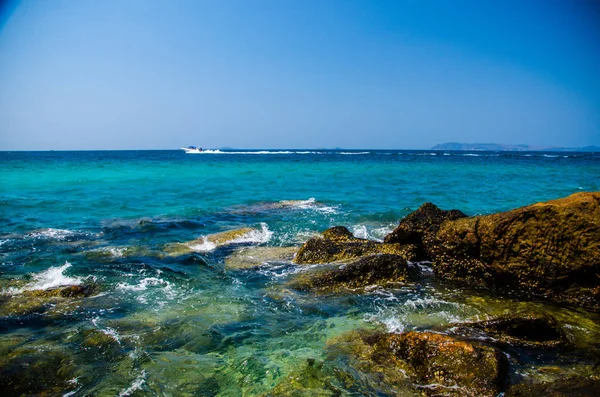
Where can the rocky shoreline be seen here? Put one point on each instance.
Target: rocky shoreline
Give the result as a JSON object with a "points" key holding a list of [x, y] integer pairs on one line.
{"points": [[547, 251]]}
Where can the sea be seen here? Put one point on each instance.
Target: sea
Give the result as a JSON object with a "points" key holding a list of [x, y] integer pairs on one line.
{"points": [[176, 312]]}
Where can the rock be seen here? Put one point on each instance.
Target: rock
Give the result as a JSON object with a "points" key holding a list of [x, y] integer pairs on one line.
{"points": [[209, 242], [567, 387], [311, 379], [340, 233], [549, 249], [339, 244], [248, 257], [374, 269], [39, 301], [229, 236], [28, 371], [419, 227], [531, 330], [101, 344], [70, 291], [434, 363]]}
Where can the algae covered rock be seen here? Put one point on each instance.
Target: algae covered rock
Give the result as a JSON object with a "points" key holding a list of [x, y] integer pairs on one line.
{"points": [[433, 363], [70, 291], [32, 372], [312, 379], [550, 249], [340, 233], [530, 330], [248, 257], [569, 387], [373, 269], [211, 241], [339, 244], [39, 301]]}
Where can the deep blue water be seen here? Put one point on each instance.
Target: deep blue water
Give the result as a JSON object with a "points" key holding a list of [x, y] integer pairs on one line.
{"points": [[109, 218]]}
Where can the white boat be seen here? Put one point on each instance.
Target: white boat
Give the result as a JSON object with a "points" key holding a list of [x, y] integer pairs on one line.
{"points": [[192, 149]]}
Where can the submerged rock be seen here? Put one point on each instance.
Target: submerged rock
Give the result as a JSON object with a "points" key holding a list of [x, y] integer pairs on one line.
{"points": [[38, 301], [549, 249], [530, 330], [312, 379], [29, 371], [209, 242], [339, 244], [374, 269], [70, 291], [249, 257], [434, 363], [568, 387]]}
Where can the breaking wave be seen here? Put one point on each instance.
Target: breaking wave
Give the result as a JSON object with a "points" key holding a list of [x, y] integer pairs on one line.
{"points": [[48, 279]]}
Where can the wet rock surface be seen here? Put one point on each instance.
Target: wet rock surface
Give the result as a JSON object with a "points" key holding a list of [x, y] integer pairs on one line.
{"points": [[529, 330], [549, 249], [27, 372], [567, 387], [246, 258], [431, 363], [339, 244], [374, 269], [420, 227]]}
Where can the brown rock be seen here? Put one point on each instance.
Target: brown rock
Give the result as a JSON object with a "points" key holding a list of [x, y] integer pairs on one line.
{"points": [[568, 387], [435, 364], [531, 330], [550, 249], [374, 269], [339, 244], [420, 227]]}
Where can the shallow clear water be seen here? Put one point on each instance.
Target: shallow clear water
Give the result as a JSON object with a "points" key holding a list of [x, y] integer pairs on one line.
{"points": [[199, 323]]}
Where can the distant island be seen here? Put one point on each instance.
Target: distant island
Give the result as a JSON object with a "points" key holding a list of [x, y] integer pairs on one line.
{"points": [[511, 148]]}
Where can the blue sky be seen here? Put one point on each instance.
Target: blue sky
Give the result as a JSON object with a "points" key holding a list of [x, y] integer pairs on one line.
{"points": [[148, 74]]}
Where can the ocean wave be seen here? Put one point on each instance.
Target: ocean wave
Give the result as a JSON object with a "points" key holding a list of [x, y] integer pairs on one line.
{"points": [[398, 317], [48, 279], [135, 385], [50, 233], [350, 153], [143, 284], [312, 204], [252, 236], [203, 246], [217, 151], [255, 236]]}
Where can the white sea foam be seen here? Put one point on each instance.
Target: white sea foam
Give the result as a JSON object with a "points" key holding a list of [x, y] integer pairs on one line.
{"points": [[217, 151], [51, 278], [2, 242], [143, 284], [50, 233], [204, 246], [255, 236], [361, 231], [135, 385], [376, 234], [350, 153], [397, 317], [117, 252]]}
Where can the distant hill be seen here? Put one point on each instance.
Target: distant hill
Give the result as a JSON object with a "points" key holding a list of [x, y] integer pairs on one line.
{"points": [[511, 148]]}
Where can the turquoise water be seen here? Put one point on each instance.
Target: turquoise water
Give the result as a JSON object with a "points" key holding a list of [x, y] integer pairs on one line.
{"points": [[200, 323]]}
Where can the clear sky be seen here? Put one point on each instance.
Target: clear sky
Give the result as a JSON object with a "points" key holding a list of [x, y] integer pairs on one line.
{"points": [[150, 74]]}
